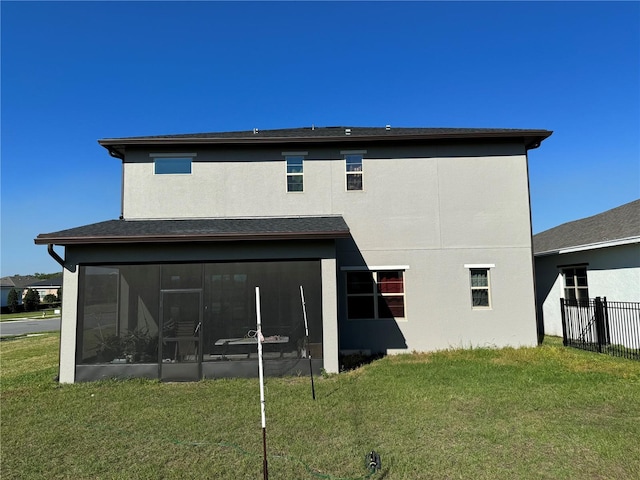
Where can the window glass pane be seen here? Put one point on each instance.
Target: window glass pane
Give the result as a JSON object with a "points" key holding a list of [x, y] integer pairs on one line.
{"points": [[294, 164], [294, 183], [582, 281], [360, 307], [172, 165], [480, 298], [390, 282], [354, 181], [582, 293], [391, 306], [360, 282], [479, 278], [354, 163]]}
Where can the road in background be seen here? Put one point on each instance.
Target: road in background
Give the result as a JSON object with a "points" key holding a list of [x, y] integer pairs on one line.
{"points": [[21, 327]]}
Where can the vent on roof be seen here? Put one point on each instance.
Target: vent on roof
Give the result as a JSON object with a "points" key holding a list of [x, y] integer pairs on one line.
{"points": [[255, 130], [347, 131], [388, 127]]}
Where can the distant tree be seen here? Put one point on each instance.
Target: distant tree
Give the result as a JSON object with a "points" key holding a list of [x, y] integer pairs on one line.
{"points": [[31, 300], [45, 276], [13, 301], [59, 294], [50, 298]]}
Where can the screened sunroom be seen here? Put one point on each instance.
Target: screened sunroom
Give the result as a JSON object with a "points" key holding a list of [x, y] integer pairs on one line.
{"points": [[182, 311]]}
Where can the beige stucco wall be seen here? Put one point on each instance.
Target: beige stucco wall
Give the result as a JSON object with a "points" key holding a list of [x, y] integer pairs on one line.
{"points": [[433, 209]]}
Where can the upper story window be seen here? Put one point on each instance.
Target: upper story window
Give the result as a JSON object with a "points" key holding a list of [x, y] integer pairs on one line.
{"points": [[353, 168], [295, 172], [480, 286], [575, 283], [171, 164]]}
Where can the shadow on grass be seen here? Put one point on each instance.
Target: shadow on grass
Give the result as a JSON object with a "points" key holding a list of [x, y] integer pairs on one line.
{"points": [[357, 360]]}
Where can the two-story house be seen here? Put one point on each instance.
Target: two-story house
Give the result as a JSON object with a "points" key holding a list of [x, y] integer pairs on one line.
{"points": [[402, 239]]}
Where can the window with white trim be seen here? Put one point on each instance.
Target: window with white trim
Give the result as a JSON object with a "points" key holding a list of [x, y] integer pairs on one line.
{"points": [[353, 166], [295, 173], [575, 283], [375, 294], [480, 287]]}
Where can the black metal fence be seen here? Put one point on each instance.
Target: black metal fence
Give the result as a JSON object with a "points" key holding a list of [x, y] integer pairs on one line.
{"points": [[601, 326]]}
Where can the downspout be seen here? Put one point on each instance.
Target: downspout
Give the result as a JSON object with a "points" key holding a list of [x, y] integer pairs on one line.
{"points": [[55, 256]]}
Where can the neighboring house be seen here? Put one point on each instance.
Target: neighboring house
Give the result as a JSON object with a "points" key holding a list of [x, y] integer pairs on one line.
{"points": [[50, 286], [19, 282], [404, 239], [597, 256]]}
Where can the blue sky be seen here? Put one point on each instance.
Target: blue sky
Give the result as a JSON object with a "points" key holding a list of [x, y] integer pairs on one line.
{"points": [[75, 72]]}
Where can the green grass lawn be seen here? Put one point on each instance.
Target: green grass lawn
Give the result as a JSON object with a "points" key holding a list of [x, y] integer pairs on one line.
{"points": [[535, 413]]}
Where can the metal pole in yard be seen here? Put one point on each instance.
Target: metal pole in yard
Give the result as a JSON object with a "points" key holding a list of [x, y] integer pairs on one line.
{"points": [[306, 329], [260, 339]]}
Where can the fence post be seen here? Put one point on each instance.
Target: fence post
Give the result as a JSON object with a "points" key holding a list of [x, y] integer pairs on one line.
{"points": [[564, 323], [600, 326]]}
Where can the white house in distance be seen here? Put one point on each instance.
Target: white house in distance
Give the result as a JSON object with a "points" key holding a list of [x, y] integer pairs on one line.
{"points": [[597, 256], [403, 239]]}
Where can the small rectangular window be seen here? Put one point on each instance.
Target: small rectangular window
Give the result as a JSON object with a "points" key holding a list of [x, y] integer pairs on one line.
{"points": [[353, 164], [480, 297], [164, 166], [295, 172], [575, 283], [375, 295]]}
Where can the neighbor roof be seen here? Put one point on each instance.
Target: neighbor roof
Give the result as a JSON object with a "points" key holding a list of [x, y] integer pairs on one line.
{"points": [[49, 282], [200, 230], [17, 281], [616, 226], [342, 134]]}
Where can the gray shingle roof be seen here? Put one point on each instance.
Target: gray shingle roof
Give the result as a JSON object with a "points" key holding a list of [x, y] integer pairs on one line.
{"points": [[343, 134], [340, 132], [191, 230], [616, 224], [18, 281], [52, 282]]}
